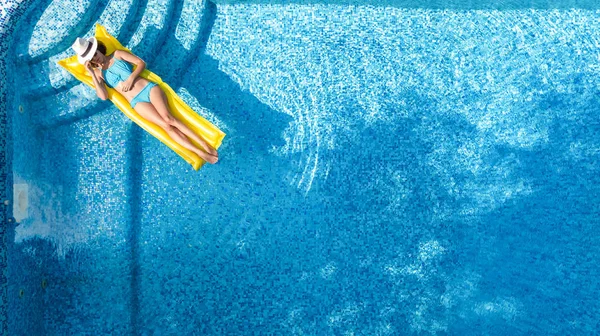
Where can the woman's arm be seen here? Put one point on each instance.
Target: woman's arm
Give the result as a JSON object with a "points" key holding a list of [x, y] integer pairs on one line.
{"points": [[131, 58], [98, 83]]}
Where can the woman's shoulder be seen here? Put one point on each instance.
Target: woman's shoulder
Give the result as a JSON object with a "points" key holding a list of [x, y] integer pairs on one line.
{"points": [[118, 54]]}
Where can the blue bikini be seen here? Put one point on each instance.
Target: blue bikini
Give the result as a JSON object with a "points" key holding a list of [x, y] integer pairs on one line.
{"points": [[119, 71]]}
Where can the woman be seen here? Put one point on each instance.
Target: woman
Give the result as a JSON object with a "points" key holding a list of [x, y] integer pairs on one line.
{"points": [[145, 97]]}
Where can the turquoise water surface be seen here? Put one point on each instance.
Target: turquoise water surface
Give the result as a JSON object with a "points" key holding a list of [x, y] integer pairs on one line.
{"points": [[389, 169]]}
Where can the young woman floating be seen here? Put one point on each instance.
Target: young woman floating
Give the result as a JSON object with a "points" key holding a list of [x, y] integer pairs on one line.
{"points": [[145, 97]]}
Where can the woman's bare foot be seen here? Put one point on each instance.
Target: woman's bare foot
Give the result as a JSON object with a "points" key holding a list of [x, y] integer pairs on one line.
{"points": [[207, 157], [208, 149], [213, 159], [212, 151]]}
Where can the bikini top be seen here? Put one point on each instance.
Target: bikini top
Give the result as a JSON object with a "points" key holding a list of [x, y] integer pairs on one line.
{"points": [[117, 72]]}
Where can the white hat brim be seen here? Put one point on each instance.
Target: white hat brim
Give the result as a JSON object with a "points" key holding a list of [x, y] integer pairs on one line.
{"points": [[92, 52]]}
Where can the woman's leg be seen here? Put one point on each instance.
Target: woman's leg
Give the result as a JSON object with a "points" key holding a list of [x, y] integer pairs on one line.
{"points": [[148, 112], [159, 100]]}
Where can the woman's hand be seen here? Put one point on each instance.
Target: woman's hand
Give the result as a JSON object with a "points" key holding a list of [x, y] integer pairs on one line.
{"points": [[89, 67], [127, 84]]}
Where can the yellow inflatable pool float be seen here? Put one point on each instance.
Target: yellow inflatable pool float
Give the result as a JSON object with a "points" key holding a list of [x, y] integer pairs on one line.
{"points": [[178, 107]]}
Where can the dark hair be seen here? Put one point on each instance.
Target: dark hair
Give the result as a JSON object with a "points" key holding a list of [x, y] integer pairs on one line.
{"points": [[101, 48]]}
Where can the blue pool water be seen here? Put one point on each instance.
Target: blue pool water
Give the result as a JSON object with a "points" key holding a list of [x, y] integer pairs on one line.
{"points": [[396, 169]]}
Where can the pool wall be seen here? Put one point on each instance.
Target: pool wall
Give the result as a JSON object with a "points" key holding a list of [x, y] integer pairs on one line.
{"points": [[11, 12]]}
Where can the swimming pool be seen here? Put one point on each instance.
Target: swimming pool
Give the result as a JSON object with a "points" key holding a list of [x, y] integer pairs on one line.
{"points": [[388, 170]]}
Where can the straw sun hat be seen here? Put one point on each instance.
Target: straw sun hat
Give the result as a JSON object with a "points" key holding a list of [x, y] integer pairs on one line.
{"points": [[85, 49]]}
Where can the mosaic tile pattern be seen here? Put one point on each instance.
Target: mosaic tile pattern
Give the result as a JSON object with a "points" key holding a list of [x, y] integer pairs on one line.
{"points": [[178, 51], [433, 4], [10, 12], [53, 26], [81, 211], [440, 138], [152, 29], [404, 178]]}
